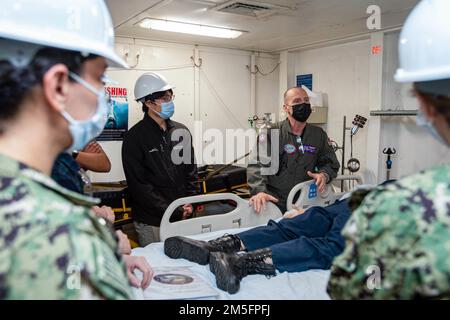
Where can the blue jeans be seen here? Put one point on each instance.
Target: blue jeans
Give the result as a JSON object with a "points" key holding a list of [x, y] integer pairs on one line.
{"points": [[308, 241]]}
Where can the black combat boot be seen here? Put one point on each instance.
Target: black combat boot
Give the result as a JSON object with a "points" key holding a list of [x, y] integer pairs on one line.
{"points": [[229, 269], [198, 251]]}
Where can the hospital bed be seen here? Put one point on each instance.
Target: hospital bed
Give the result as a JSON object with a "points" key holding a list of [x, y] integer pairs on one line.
{"points": [[299, 285], [309, 285], [243, 215]]}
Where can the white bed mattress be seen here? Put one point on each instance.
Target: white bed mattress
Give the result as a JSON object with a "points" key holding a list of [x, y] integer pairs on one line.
{"points": [[309, 285]]}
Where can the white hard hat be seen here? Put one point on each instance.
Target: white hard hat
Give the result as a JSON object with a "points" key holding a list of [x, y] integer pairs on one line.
{"points": [[84, 26], [424, 45], [150, 83]]}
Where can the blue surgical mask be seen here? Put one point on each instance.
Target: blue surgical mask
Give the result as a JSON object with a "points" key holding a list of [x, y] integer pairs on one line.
{"points": [[83, 131], [422, 121], [167, 110]]}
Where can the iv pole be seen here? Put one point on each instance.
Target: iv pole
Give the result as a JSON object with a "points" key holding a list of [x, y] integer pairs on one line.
{"points": [[344, 129], [358, 123]]}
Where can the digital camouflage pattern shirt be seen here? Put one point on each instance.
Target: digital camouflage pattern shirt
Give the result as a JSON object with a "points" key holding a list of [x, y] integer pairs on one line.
{"points": [[398, 242], [51, 245]]}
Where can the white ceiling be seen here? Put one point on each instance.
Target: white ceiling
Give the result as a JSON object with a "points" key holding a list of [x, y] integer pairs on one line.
{"points": [[302, 23]]}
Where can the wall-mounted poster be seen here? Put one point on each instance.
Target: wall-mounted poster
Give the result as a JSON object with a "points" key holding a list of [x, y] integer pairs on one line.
{"points": [[305, 80], [117, 121]]}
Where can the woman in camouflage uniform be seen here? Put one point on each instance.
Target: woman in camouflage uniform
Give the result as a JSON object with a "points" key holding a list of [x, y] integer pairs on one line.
{"points": [[52, 59]]}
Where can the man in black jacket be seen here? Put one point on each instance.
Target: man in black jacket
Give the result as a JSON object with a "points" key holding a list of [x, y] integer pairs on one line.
{"points": [[154, 175]]}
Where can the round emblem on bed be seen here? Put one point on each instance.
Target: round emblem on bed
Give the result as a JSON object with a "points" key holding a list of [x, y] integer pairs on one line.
{"points": [[173, 278]]}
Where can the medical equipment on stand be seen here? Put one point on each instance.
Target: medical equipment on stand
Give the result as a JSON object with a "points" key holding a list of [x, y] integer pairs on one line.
{"points": [[353, 164], [257, 122], [262, 125], [389, 152]]}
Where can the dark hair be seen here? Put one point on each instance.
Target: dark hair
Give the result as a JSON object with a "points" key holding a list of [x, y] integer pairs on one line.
{"points": [[440, 103], [152, 97], [16, 82]]}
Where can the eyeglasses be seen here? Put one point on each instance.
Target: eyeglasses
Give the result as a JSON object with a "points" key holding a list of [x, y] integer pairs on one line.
{"points": [[167, 98]]}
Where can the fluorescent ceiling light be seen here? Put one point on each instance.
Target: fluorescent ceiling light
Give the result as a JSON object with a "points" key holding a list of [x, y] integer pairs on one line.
{"points": [[190, 28]]}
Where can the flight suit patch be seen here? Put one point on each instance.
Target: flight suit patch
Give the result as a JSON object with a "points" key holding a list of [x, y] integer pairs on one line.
{"points": [[310, 149], [289, 148]]}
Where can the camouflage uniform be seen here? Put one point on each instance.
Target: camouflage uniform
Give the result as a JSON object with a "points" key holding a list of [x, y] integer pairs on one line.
{"points": [[398, 242], [51, 245]]}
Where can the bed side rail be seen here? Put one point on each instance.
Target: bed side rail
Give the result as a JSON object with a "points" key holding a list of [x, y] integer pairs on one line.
{"points": [[309, 196], [241, 217]]}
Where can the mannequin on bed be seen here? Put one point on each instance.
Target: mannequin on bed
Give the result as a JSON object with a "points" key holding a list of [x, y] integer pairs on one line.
{"points": [[309, 240]]}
